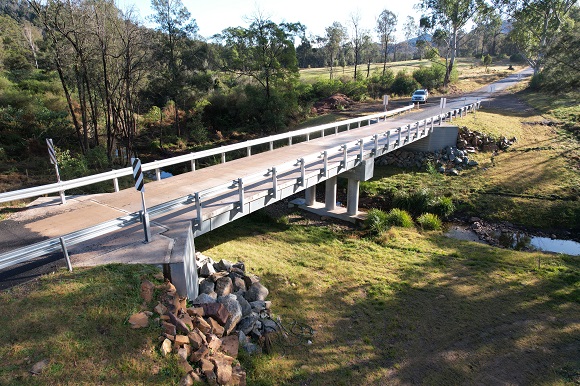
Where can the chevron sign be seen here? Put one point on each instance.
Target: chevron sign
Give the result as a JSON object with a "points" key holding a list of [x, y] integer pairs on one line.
{"points": [[138, 174]]}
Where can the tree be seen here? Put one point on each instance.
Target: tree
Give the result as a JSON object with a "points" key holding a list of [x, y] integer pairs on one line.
{"points": [[386, 26], [410, 29], [536, 26], [176, 26], [335, 35], [452, 16]]}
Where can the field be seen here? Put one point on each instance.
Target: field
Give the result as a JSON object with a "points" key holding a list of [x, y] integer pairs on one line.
{"points": [[472, 74]]}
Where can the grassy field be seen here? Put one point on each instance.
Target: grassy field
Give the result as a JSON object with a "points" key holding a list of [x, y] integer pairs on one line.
{"points": [[410, 307], [472, 74]]}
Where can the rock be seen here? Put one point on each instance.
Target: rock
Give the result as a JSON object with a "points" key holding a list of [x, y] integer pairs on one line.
{"points": [[252, 348], [186, 380], [224, 286], [147, 289], [196, 339], [206, 270], [223, 265], [183, 353], [223, 371], [246, 325], [204, 298], [230, 345], [169, 328], [211, 378], [256, 292], [202, 352], [239, 284], [139, 320], [235, 310], [240, 265], [186, 319], [181, 340], [268, 325], [39, 366], [216, 328], [206, 286], [166, 347], [179, 324], [238, 376], [195, 311], [258, 306], [246, 307], [160, 309], [216, 311], [206, 365], [472, 163], [213, 342], [201, 325], [454, 172]]}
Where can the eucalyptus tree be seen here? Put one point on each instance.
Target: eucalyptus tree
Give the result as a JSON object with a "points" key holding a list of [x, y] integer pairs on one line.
{"points": [[410, 30], [386, 27], [335, 35], [450, 16], [356, 38]]}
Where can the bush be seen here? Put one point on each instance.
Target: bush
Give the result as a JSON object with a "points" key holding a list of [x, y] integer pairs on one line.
{"points": [[517, 58], [379, 84], [327, 87], [400, 218], [429, 222], [430, 77], [415, 202], [404, 84], [442, 206], [377, 221]]}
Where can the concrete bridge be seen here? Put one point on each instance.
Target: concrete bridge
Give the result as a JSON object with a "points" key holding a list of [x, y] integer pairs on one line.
{"points": [[191, 204]]}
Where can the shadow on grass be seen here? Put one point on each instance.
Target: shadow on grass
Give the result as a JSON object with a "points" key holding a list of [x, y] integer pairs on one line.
{"points": [[471, 315]]}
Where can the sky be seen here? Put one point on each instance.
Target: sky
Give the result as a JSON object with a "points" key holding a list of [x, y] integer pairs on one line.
{"points": [[213, 16]]}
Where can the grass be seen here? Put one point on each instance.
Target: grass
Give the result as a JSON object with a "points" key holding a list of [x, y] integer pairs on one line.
{"points": [[78, 321], [536, 183]]}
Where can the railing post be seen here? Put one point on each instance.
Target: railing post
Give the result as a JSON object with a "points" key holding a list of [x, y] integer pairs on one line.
{"points": [[198, 207], [249, 149], [322, 133], [289, 141], [193, 165], [388, 140], [223, 158], [271, 145], [376, 141], [302, 172], [361, 149], [336, 130], [368, 122], [65, 253], [241, 194], [344, 156], [307, 137], [116, 184], [358, 123], [275, 182], [432, 120], [325, 163], [347, 126], [399, 139], [157, 174], [408, 134]]}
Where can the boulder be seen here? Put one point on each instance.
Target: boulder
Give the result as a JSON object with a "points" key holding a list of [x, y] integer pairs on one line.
{"points": [[256, 292], [205, 298], [216, 311], [246, 307], [224, 286], [206, 286], [235, 310]]}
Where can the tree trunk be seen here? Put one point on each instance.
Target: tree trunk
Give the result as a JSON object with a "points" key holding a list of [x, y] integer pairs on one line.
{"points": [[452, 61]]}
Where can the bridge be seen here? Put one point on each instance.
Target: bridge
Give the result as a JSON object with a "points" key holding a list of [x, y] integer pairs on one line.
{"points": [[188, 205]]}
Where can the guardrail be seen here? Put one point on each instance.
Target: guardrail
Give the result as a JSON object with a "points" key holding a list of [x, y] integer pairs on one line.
{"points": [[336, 157], [114, 175]]}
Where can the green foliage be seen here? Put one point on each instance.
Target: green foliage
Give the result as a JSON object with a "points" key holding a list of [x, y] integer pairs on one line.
{"points": [[517, 58], [486, 60], [422, 201], [430, 77], [400, 218], [442, 206], [404, 84], [379, 84], [429, 222], [71, 166], [377, 221]]}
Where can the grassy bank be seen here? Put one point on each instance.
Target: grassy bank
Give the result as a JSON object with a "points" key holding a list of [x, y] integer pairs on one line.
{"points": [[411, 307]]}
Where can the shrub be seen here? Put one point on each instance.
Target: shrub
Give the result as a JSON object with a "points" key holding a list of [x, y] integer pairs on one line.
{"points": [[404, 84], [400, 218], [377, 221], [429, 221], [379, 84], [415, 202], [327, 87], [430, 77], [517, 58], [442, 206]]}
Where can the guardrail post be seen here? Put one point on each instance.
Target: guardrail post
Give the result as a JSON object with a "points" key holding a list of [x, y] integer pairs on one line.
{"points": [[307, 137], [359, 123], [241, 194], [388, 145], [322, 133], [325, 163], [271, 145], [336, 130], [157, 174], [249, 149], [275, 182], [432, 121], [376, 141], [344, 156], [399, 139], [361, 150], [199, 210], [347, 126], [65, 253], [302, 172], [289, 141], [192, 165], [116, 184], [408, 134]]}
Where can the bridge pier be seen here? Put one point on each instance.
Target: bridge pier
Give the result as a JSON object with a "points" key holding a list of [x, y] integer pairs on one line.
{"points": [[330, 193]]}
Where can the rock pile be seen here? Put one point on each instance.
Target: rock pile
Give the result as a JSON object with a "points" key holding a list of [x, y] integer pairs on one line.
{"points": [[450, 160], [476, 141], [334, 102], [230, 310]]}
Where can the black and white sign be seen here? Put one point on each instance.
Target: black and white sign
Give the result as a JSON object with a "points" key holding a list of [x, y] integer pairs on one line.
{"points": [[443, 102], [51, 151], [138, 174]]}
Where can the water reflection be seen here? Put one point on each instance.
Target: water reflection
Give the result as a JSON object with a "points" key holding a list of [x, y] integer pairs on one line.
{"points": [[521, 241]]}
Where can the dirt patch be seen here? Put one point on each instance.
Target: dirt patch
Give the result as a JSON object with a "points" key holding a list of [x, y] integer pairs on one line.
{"points": [[333, 103]]}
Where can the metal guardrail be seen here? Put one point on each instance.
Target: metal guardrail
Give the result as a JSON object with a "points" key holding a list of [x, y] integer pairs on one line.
{"points": [[192, 157], [364, 148]]}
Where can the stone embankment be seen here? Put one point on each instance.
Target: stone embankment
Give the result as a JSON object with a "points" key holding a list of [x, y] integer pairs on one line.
{"points": [[231, 313], [452, 159]]}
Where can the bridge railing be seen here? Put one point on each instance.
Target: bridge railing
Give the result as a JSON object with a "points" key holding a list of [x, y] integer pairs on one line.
{"points": [[114, 175], [361, 147]]}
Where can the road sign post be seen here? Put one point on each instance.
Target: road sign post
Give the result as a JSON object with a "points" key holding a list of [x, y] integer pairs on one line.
{"points": [[52, 156], [385, 101], [442, 104], [140, 186]]}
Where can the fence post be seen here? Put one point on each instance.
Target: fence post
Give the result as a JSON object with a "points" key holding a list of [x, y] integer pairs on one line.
{"points": [[241, 195], [275, 182], [199, 210], [302, 172], [344, 156], [325, 163], [361, 149]]}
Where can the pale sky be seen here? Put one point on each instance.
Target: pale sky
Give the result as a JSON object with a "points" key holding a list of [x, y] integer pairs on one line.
{"points": [[213, 16]]}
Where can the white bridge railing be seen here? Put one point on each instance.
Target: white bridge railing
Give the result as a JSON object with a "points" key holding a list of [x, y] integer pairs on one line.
{"points": [[270, 182], [114, 175]]}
